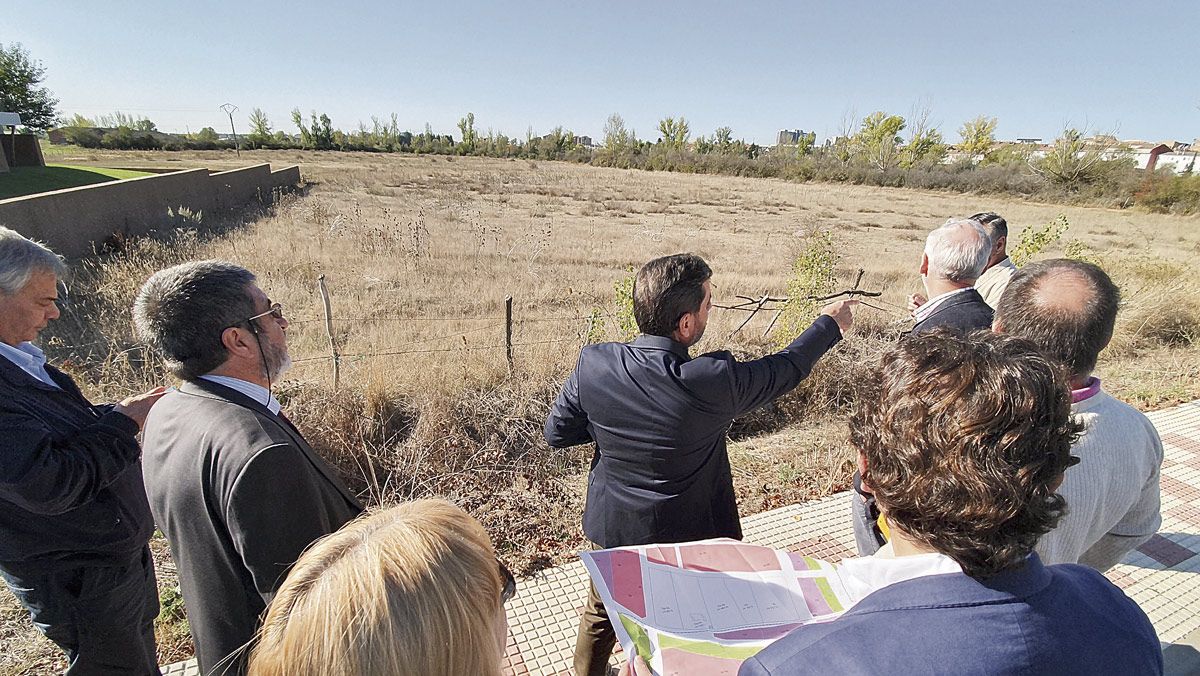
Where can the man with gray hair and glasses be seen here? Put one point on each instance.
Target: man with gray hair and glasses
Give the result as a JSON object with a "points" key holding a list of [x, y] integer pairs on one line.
{"points": [[956, 254], [74, 523], [232, 483]]}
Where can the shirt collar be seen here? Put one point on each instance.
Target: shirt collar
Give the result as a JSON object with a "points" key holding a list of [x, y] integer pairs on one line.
{"points": [[1089, 390], [258, 393], [866, 574], [30, 359], [932, 304], [662, 343]]}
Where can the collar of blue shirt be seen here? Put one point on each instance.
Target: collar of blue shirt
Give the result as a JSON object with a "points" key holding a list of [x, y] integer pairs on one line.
{"points": [[256, 392], [30, 359]]}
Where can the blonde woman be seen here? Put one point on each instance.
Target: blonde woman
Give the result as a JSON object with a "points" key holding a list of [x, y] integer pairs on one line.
{"points": [[414, 589]]}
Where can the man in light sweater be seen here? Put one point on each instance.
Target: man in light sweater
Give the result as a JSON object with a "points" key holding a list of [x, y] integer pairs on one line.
{"points": [[1069, 308], [1000, 268]]}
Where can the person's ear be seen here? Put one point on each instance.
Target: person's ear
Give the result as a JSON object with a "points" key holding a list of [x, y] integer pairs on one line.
{"points": [[238, 341], [924, 264], [686, 326]]}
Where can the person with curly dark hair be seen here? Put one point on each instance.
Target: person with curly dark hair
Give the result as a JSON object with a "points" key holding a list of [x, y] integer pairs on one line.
{"points": [[964, 441]]}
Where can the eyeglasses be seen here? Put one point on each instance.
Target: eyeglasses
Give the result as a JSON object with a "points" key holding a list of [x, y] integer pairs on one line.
{"points": [[509, 590], [275, 311]]}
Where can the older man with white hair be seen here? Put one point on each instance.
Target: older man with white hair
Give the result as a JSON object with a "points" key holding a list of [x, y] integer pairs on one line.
{"points": [[955, 255], [74, 521]]}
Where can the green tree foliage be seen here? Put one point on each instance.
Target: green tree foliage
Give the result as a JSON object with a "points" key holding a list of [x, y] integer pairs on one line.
{"points": [[78, 120], [260, 129], [923, 148], [723, 140], [20, 90], [1075, 161], [978, 139], [306, 134], [619, 144], [812, 275], [470, 138], [1032, 241], [878, 139], [675, 133]]}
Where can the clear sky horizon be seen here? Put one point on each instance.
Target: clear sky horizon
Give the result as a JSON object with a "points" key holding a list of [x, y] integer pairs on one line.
{"points": [[757, 67]]}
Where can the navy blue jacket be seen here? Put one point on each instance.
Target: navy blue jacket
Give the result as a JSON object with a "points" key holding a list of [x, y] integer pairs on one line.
{"points": [[71, 488], [1064, 619], [659, 419], [964, 312]]}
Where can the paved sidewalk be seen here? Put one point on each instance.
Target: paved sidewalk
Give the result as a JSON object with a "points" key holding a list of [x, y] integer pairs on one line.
{"points": [[1162, 575]]}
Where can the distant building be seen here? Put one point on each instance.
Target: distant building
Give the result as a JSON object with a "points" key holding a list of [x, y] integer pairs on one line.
{"points": [[789, 137]]}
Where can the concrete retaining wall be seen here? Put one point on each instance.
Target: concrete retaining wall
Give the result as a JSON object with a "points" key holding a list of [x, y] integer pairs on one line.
{"points": [[238, 186], [75, 221]]}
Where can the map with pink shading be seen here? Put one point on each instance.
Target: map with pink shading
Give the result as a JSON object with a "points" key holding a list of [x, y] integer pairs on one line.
{"points": [[704, 607]]}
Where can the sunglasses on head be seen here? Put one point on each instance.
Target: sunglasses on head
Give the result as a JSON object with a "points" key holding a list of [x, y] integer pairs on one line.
{"points": [[509, 588]]}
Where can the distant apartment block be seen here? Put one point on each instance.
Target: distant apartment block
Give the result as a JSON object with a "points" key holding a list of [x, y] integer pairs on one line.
{"points": [[789, 137]]}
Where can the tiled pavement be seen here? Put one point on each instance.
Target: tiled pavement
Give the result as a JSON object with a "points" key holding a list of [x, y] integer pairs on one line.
{"points": [[1162, 575]]}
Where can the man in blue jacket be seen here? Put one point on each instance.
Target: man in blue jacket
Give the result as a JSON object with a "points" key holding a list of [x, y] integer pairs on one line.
{"points": [[964, 441], [74, 521], [658, 417]]}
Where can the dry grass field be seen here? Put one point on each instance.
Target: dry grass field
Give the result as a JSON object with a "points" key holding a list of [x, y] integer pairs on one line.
{"points": [[419, 253]]}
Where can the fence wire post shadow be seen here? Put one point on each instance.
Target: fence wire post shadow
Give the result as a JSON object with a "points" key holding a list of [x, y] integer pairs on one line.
{"points": [[508, 344], [329, 330]]}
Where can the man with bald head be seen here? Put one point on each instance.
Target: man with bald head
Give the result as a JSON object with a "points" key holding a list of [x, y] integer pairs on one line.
{"points": [[955, 256], [1068, 308]]}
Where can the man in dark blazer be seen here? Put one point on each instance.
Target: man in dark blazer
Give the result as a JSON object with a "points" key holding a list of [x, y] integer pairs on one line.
{"points": [[233, 485], [660, 471], [964, 440], [74, 522], [955, 255]]}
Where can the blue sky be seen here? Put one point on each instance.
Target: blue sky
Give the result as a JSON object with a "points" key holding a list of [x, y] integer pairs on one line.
{"points": [[755, 66]]}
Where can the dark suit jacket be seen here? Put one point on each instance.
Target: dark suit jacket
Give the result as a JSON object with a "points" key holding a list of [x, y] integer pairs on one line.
{"points": [[239, 495], [660, 472], [964, 312], [70, 483], [1035, 619]]}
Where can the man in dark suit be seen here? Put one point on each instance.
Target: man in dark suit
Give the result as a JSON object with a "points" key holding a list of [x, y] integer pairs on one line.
{"points": [[660, 471], [964, 440], [233, 485], [955, 255], [74, 522]]}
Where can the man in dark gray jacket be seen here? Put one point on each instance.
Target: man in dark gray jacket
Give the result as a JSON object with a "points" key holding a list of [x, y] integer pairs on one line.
{"points": [[74, 522], [234, 486], [659, 418]]}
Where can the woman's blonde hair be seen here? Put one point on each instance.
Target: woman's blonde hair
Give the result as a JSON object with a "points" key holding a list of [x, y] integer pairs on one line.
{"points": [[414, 589]]}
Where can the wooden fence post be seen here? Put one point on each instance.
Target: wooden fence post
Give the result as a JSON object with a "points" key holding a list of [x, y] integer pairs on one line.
{"points": [[329, 330], [508, 331]]}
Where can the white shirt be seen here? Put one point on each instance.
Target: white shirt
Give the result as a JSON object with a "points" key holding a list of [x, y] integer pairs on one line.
{"points": [[866, 574], [256, 392], [932, 304], [31, 359]]}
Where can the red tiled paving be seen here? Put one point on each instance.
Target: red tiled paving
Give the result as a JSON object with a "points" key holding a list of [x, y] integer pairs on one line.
{"points": [[825, 548], [1183, 443], [1178, 488], [1165, 551]]}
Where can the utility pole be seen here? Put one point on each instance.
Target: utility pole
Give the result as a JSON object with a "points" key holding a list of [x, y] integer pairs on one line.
{"points": [[231, 109]]}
